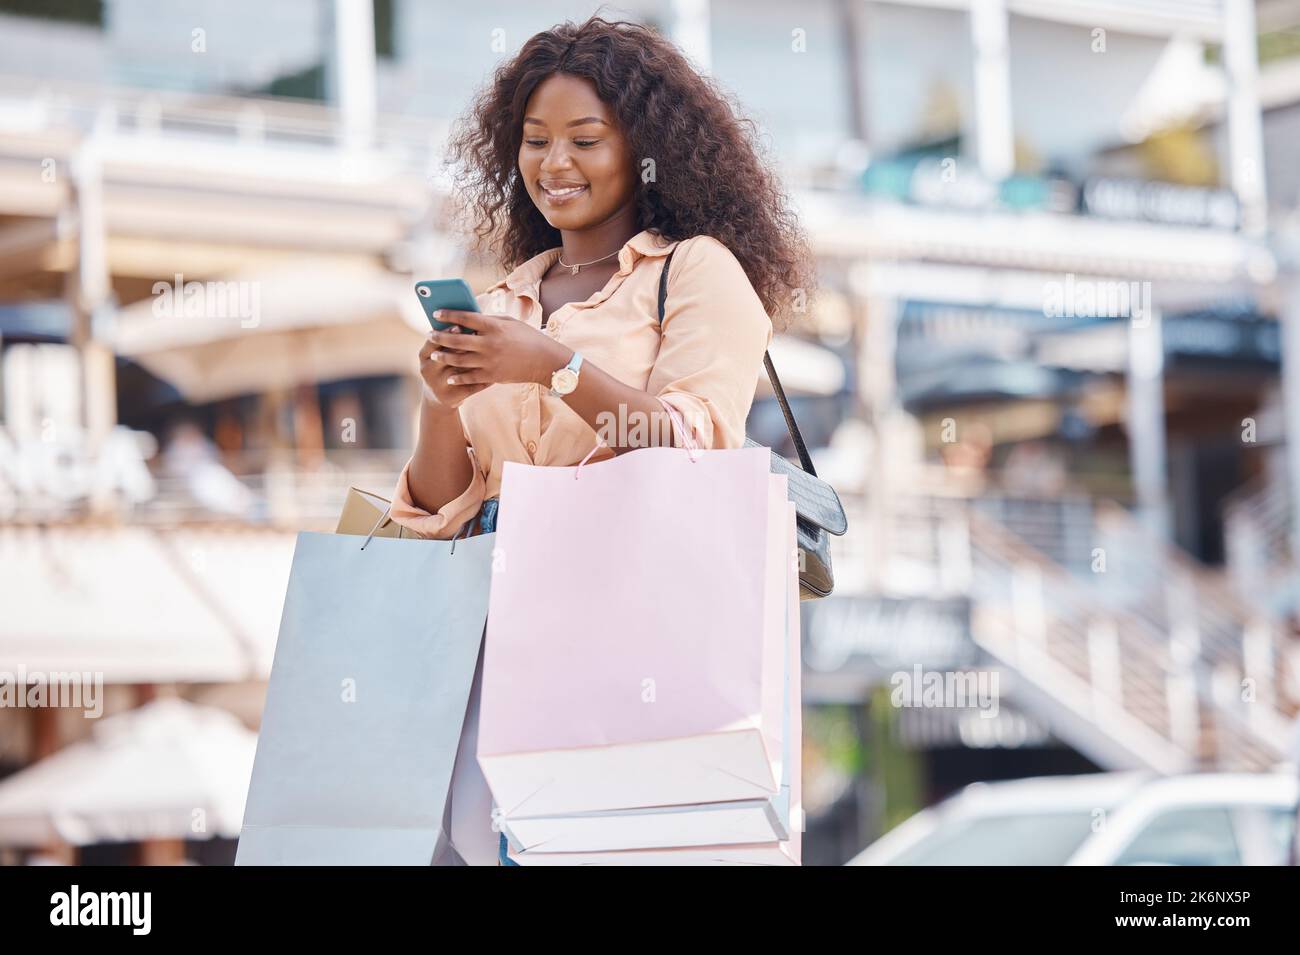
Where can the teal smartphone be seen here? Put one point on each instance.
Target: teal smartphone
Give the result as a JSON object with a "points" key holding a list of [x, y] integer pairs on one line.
{"points": [[446, 293]]}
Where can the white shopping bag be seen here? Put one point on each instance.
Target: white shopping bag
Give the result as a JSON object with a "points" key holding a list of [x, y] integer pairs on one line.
{"points": [[367, 697]]}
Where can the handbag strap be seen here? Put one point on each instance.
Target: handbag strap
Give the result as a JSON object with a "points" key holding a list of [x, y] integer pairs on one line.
{"points": [[805, 459]]}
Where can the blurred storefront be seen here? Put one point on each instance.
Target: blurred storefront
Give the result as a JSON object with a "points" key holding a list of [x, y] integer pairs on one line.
{"points": [[1071, 355]]}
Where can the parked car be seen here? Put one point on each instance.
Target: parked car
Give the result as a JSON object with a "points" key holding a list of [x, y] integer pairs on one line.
{"points": [[1102, 819]]}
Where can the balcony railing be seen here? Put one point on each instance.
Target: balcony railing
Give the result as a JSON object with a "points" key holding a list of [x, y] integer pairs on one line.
{"points": [[251, 488]]}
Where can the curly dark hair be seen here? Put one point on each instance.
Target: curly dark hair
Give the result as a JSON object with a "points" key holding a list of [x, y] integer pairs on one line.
{"points": [[711, 177]]}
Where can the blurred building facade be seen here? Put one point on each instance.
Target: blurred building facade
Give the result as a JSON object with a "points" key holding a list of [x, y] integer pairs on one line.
{"points": [[1046, 367]]}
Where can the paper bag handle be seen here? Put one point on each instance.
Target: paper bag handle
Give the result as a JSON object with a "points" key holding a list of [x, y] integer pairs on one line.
{"points": [[401, 530], [378, 524], [679, 426], [688, 436]]}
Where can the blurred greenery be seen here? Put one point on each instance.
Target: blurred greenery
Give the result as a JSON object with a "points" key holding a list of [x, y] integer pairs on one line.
{"points": [[898, 774], [1279, 44], [1274, 45], [830, 729], [855, 743]]}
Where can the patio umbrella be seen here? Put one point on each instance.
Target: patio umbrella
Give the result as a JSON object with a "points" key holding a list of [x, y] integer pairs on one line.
{"points": [[168, 770], [256, 331], [139, 604]]}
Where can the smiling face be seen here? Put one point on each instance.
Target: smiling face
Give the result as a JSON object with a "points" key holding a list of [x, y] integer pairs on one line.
{"points": [[574, 160]]}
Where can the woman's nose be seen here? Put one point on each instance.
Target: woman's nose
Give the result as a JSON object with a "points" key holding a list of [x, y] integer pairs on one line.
{"points": [[556, 159]]}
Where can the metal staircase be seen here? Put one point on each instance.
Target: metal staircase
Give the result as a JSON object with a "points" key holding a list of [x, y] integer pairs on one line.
{"points": [[1134, 653]]}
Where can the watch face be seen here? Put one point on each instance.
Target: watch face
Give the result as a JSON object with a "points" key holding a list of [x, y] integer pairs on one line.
{"points": [[564, 380]]}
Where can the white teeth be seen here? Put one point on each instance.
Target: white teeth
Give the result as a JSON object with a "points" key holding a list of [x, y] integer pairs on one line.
{"points": [[560, 193]]}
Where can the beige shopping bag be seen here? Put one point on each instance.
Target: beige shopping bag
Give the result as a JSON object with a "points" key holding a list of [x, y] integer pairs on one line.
{"points": [[364, 512]]}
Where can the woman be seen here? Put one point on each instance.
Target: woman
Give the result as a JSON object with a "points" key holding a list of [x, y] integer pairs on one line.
{"points": [[594, 154]]}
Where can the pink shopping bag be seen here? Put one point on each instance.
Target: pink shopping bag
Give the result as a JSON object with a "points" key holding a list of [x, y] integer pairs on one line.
{"points": [[634, 651], [745, 832]]}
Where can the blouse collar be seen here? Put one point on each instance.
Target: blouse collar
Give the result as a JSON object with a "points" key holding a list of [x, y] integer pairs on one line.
{"points": [[642, 245]]}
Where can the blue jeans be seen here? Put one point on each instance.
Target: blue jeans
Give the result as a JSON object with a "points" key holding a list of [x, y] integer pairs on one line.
{"points": [[487, 521], [503, 858], [487, 515]]}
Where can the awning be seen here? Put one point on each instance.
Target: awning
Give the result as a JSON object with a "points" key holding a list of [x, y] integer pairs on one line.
{"points": [[972, 378], [141, 605], [168, 770]]}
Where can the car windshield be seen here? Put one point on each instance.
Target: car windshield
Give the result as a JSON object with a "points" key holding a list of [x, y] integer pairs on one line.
{"points": [[1021, 839]]}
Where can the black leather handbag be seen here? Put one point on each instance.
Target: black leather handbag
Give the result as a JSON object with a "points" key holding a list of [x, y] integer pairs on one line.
{"points": [[817, 507]]}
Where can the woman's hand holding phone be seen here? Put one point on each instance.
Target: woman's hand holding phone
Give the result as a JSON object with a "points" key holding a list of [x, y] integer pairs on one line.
{"points": [[467, 351], [502, 350], [438, 365], [437, 368]]}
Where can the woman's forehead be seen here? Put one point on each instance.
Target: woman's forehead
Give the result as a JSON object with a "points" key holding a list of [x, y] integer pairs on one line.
{"points": [[565, 99]]}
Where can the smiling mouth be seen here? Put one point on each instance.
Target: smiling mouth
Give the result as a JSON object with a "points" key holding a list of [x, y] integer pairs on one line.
{"points": [[564, 192]]}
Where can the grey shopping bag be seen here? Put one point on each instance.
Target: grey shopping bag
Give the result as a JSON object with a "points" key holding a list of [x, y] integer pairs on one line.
{"points": [[367, 697]]}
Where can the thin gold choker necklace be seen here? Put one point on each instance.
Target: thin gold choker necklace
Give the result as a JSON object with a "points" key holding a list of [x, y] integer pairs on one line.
{"points": [[573, 269]]}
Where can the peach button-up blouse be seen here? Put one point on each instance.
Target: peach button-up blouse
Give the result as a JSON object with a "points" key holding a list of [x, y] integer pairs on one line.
{"points": [[705, 362]]}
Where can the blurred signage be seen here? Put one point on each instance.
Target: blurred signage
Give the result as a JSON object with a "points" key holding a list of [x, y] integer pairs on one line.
{"points": [[997, 329], [883, 634], [58, 468], [1163, 202], [957, 183], [48, 461], [927, 728]]}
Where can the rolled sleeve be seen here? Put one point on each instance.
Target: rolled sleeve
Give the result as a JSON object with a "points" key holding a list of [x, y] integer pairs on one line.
{"points": [[448, 519], [715, 332]]}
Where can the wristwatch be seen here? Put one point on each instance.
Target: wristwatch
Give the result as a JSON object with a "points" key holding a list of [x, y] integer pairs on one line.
{"points": [[566, 379]]}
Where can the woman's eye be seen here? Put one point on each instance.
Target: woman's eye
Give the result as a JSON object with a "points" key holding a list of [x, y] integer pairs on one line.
{"points": [[585, 142], [535, 142]]}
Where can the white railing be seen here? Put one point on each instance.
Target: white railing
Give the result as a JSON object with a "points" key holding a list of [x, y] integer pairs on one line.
{"points": [[1256, 530], [1107, 666], [243, 119], [1206, 622], [1130, 633], [249, 488]]}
